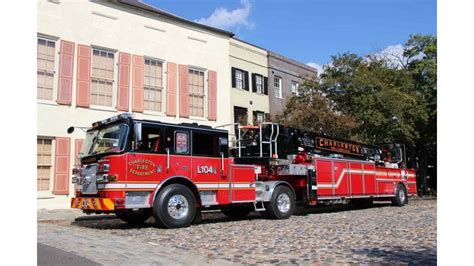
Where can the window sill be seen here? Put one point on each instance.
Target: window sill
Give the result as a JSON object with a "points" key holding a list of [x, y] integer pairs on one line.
{"points": [[198, 118], [154, 113], [102, 108], [47, 102], [44, 195], [241, 89]]}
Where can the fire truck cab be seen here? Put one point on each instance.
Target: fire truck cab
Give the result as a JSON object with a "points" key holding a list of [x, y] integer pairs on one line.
{"points": [[139, 168]]}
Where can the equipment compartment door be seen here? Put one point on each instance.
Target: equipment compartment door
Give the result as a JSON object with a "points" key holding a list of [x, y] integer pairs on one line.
{"points": [[324, 175], [241, 179], [357, 181], [369, 179]]}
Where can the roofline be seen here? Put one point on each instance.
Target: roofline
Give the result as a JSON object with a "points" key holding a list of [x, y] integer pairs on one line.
{"points": [[290, 61], [251, 44], [143, 6]]}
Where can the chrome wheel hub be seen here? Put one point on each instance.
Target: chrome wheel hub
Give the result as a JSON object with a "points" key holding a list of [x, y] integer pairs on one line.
{"points": [[401, 195], [178, 206], [283, 203]]}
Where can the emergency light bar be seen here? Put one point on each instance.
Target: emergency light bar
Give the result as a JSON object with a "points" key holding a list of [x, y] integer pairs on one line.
{"points": [[121, 116]]}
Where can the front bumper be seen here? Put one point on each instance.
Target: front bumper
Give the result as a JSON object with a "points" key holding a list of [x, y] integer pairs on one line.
{"points": [[93, 204]]}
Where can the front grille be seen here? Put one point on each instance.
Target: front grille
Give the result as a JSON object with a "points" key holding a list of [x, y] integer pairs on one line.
{"points": [[88, 181]]}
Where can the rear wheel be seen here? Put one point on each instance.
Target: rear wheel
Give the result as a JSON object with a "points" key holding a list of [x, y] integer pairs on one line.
{"points": [[174, 206], [237, 212], [282, 205], [401, 197], [134, 217]]}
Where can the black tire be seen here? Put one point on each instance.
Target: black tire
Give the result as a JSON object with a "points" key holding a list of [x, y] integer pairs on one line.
{"points": [[134, 217], [272, 207], [399, 199], [180, 201], [237, 212]]}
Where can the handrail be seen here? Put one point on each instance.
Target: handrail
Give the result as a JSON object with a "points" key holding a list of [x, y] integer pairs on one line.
{"points": [[238, 134]]}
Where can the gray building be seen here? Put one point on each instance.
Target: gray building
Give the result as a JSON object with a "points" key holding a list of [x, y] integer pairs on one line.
{"points": [[284, 78]]}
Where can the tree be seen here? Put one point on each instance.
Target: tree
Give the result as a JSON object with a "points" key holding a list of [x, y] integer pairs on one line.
{"points": [[421, 50], [312, 111], [378, 96], [374, 100]]}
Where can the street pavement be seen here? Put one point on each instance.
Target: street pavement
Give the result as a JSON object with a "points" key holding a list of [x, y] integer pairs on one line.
{"points": [[49, 256], [333, 234]]}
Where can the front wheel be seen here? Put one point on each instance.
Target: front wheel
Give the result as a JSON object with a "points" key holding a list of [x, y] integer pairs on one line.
{"points": [[401, 197], [174, 206], [282, 204]]}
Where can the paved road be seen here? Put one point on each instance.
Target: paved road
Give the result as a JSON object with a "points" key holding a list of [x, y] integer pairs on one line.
{"points": [[53, 256], [380, 234]]}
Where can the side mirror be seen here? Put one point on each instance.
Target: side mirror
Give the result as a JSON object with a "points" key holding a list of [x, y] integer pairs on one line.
{"points": [[70, 130]]}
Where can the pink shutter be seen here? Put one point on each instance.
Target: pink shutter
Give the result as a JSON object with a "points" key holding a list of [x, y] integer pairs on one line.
{"points": [[171, 89], [83, 75], [123, 81], [212, 114], [137, 83], [183, 91], [77, 149], [66, 66], [61, 167]]}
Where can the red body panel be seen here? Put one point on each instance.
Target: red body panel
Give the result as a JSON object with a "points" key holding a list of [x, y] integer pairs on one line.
{"points": [[232, 183], [342, 178], [146, 171]]}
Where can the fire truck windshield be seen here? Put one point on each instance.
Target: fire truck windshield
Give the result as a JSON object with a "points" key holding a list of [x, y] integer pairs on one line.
{"points": [[105, 140]]}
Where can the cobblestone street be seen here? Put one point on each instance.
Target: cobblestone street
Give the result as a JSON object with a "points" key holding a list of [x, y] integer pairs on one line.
{"points": [[335, 234]]}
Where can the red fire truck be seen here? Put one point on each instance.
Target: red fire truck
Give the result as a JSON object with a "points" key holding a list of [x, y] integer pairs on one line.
{"points": [[138, 168]]}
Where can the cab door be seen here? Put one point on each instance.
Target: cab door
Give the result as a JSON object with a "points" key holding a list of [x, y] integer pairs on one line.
{"points": [[207, 164]]}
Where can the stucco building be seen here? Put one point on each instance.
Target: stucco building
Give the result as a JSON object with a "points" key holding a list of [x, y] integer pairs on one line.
{"points": [[284, 77], [249, 82], [96, 59]]}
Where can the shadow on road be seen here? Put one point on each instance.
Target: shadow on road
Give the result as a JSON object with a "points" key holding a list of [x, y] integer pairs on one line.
{"points": [[107, 222], [398, 254]]}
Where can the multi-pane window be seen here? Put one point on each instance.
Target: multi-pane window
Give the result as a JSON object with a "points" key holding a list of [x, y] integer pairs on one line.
{"points": [[196, 93], [45, 68], [294, 87], [102, 77], [239, 79], [153, 86], [277, 85], [259, 83], [258, 117], [43, 163]]}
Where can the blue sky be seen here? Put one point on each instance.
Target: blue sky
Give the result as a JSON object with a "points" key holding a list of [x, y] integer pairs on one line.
{"points": [[313, 30]]}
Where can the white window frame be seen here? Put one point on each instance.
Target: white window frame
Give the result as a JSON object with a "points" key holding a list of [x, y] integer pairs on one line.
{"points": [[48, 193], [263, 116], [241, 80], [164, 81], [279, 87], [56, 68], [114, 83], [295, 91], [257, 77], [206, 91]]}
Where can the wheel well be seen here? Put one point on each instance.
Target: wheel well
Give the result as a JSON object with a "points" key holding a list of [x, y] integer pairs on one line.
{"points": [[183, 181], [404, 187], [286, 185]]}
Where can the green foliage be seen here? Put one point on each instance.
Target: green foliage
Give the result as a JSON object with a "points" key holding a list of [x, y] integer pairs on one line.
{"points": [[312, 111], [370, 99]]}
